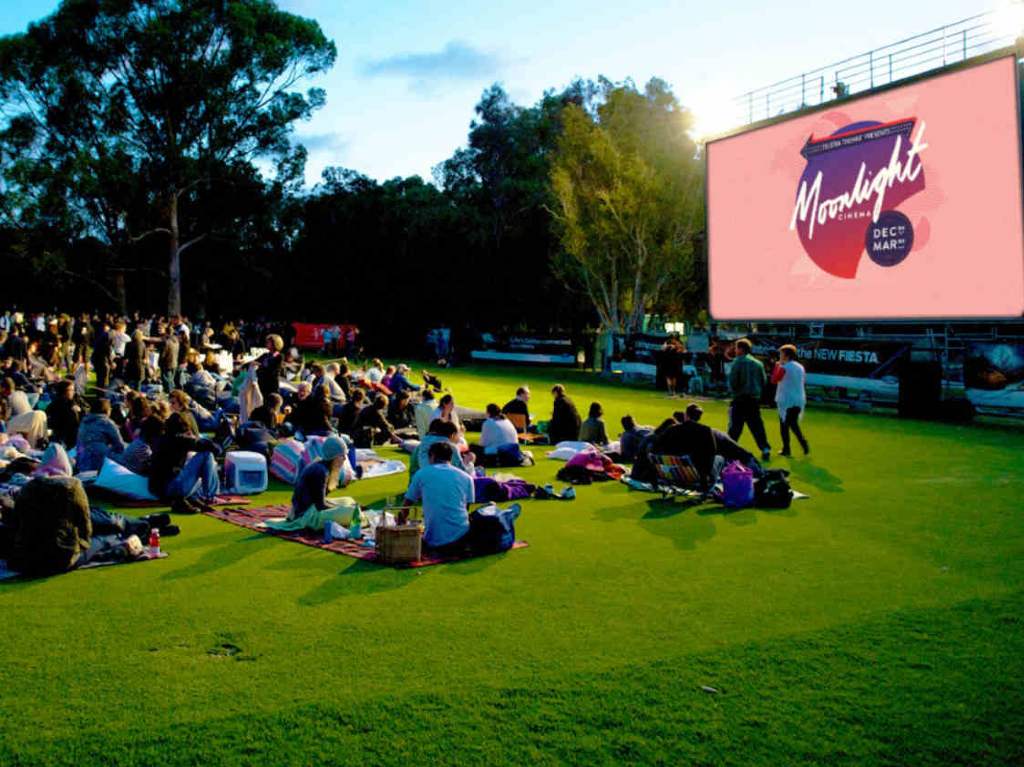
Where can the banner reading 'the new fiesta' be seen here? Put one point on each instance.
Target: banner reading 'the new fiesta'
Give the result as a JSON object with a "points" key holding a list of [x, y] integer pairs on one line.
{"points": [[902, 204]]}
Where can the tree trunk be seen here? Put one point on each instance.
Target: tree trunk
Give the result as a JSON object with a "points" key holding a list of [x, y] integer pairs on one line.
{"points": [[174, 267], [120, 292]]}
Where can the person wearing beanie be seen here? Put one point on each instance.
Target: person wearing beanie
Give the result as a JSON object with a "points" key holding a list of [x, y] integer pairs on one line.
{"points": [[319, 478]]}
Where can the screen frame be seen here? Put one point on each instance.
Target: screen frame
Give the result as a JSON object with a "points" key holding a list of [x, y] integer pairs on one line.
{"points": [[1013, 52]]}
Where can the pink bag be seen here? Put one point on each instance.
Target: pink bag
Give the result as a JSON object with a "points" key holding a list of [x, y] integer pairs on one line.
{"points": [[737, 486]]}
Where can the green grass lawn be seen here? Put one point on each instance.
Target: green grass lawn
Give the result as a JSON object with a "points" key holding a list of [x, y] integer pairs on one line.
{"points": [[877, 623]]}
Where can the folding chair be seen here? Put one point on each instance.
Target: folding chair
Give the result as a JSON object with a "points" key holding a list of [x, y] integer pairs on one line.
{"points": [[676, 474], [519, 421]]}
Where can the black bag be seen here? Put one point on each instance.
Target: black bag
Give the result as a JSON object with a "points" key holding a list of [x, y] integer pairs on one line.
{"points": [[772, 490], [490, 533]]}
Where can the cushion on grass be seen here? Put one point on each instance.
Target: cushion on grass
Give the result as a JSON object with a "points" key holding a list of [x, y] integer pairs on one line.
{"points": [[116, 479]]}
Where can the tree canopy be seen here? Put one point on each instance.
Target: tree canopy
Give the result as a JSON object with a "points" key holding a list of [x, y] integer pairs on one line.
{"points": [[119, 113], [628, 203]]}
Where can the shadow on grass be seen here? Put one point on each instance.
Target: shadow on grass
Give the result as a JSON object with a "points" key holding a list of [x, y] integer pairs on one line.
{"points": [[233, 551], [663, 508], [370, 578], [806, 472]]}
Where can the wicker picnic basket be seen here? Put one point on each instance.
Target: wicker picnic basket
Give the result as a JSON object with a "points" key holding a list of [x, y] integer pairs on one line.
{"points": [[399, 543]]}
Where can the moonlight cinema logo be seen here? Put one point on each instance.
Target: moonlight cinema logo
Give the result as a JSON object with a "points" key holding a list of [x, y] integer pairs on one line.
{"points": [[850, 189]]}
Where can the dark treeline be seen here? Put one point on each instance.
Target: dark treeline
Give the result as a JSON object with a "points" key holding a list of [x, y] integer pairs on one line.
{"points": [[473, 248], [148, 162]]}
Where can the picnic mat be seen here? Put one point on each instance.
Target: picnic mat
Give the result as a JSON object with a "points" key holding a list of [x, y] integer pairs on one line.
{"points": [[6, 573], [253, 519], [375, 467]]}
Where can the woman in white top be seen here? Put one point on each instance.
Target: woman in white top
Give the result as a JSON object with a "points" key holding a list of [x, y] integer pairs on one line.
{"points": [[446, 412], [375, 372], [497, 431], [790, 397]]}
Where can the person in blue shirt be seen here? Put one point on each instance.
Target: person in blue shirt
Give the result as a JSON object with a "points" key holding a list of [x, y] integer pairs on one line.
{"points": [[445, 493]]}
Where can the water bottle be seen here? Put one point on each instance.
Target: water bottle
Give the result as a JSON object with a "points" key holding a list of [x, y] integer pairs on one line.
{"points": [[154, 543], [355, 528]]}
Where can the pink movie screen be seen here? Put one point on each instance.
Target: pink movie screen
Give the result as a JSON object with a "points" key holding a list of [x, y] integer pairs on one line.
{"points": [[904, 204]]}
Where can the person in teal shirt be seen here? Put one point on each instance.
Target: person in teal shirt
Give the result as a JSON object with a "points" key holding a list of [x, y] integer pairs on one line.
{"points": [[746, 382]]}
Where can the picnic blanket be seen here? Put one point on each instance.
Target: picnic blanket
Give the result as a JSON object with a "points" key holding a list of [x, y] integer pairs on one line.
{"points": [[255, 519], [6, 573], [375, 467]]}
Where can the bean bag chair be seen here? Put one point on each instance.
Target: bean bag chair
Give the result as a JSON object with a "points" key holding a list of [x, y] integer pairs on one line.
{"points": [[286, 461]]}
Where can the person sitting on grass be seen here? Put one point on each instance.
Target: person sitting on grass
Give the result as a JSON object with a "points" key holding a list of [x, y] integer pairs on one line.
{"points": [[19, 415], [176, 477], [440, 431], [63, 414], [319, 478], [497, 432], [375, 371], [424, 412], [312, 416], [372, 426], [446, 411], [97, 437], [271, 413], [401, 413], [565, 419], [519, 405], [709, 449], [350, 411], [592, 430], [445, 493], [400, 381], [632, 438], [138, 455]]}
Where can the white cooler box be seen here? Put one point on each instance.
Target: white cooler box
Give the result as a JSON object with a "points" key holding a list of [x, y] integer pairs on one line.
{"points": [[245, 472]]}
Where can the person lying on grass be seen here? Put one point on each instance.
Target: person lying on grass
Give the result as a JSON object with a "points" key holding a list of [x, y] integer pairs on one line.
{"points": [[445, 493], [319, 478]]}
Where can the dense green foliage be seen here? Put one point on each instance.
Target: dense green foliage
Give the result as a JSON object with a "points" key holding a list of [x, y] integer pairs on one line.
{"points": [[629, 201], [878, 622]]}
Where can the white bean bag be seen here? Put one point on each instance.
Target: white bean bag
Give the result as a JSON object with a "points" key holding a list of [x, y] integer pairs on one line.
{"points": [[115, 478]]}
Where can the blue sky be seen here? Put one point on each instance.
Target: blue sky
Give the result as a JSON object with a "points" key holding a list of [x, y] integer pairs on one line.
{"points": [[401, 96]]}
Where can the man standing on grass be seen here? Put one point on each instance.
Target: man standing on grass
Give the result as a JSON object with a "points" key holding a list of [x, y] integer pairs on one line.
{"points": [[746, 382]]}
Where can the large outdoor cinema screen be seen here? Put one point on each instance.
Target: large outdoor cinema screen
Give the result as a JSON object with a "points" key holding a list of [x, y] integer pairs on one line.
{"points": [[901, 204]]}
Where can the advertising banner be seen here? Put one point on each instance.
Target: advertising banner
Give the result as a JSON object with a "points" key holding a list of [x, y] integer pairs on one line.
{"points": [[902, 204], [310, 335], [994, 377]]}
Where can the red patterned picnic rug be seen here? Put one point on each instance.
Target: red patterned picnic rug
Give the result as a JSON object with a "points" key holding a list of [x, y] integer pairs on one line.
{"points": [[253, 519]]}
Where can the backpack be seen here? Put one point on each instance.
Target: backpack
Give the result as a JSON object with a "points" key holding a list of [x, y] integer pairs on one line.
{"points": [[492, 530], [772, 490]]}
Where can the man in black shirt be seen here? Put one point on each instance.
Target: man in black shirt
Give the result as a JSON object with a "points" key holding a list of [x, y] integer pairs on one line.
{"points": [[519, 405]]}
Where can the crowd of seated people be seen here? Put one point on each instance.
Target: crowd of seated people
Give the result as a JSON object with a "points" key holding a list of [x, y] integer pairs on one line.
{"points": [[167, 402]]}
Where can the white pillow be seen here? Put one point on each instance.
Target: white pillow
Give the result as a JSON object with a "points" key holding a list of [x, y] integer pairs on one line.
{"points": [[116, 479]]}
